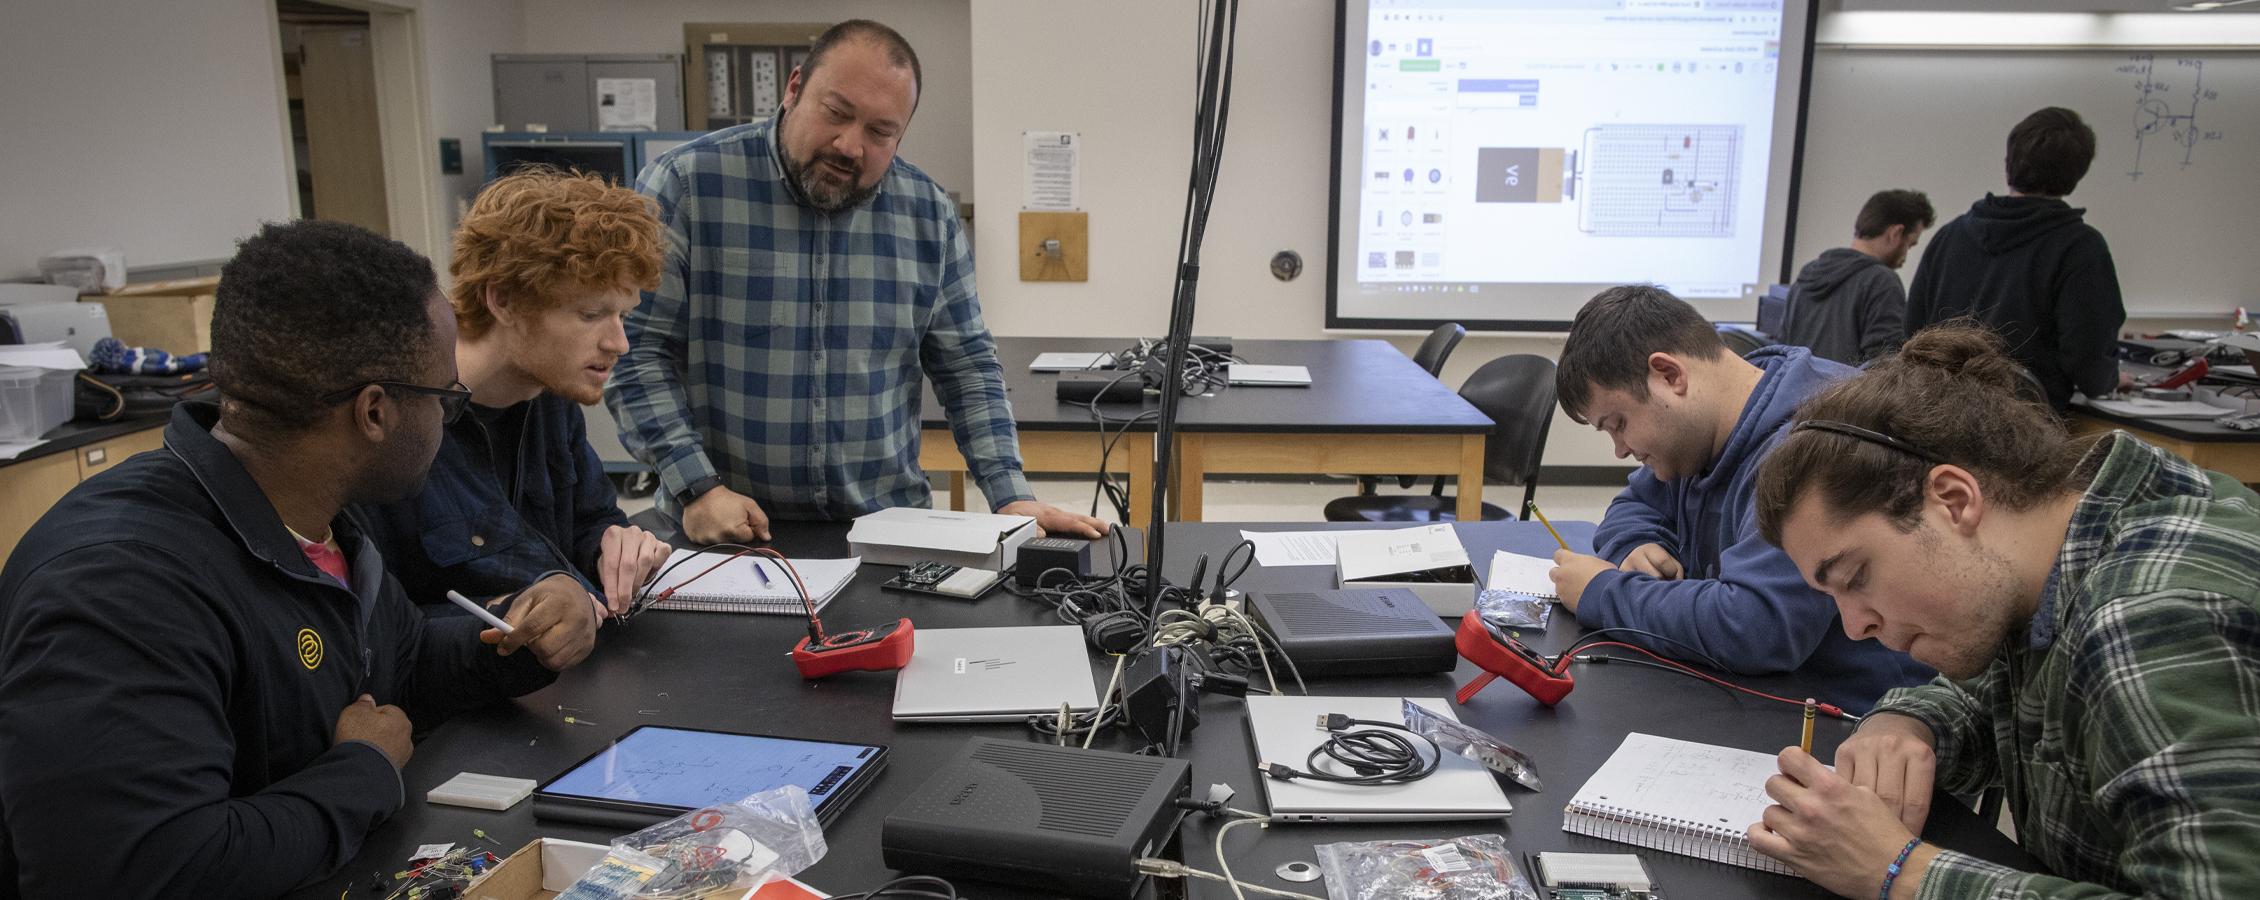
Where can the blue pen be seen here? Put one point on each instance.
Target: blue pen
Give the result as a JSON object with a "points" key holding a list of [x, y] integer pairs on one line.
{"points": [[764, 573]]}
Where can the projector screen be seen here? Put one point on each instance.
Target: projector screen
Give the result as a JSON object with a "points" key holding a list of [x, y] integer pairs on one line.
{"points": [[1498, 162]]}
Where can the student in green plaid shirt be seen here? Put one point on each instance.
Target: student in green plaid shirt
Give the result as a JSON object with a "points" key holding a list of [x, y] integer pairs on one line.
{"points": [[812, 283], [2092, 607]]}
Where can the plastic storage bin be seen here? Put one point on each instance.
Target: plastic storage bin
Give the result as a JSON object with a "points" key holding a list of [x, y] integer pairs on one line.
{"points": [[33, 401]]}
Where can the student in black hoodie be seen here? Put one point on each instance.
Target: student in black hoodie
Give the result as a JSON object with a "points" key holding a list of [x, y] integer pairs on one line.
{"points": [[2028, 267], [1848, 304], [208, 682]]}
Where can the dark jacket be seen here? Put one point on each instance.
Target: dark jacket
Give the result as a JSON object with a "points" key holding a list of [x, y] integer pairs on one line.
{"points": [[469, 532], [2034, 272], [1739, 600], [1846, 306], [171, 673]]}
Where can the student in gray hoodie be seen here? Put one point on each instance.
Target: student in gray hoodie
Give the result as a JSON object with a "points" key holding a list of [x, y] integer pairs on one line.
{"points": [[1848, 304]]}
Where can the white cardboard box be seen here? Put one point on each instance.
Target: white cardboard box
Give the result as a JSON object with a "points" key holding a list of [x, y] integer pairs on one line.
{"points": [[905, 534], [1392, 559]]}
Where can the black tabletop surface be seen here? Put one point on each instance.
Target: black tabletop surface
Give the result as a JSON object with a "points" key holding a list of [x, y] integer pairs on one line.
{"points": [[730, 672], [1356, 386], [70, 436]]}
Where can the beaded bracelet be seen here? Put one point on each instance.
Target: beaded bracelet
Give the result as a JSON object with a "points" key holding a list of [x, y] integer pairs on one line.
{"points": [[1892, 874]]}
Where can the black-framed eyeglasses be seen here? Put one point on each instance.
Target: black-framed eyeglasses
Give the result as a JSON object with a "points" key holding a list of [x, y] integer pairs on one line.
{"points": [[452, 399], [1855, 432]]}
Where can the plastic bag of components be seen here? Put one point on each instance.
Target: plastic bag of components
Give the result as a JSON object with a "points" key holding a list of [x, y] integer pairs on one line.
{"points": [[1510, 609], [719, 851], [1475, 867], [1472, 743]]}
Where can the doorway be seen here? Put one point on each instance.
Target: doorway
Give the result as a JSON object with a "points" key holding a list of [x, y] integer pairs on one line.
{"points": [[337, 149]]}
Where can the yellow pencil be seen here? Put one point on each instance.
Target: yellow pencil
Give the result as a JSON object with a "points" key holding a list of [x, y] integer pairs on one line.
{"points": [[1806, 744], [1549, 525]]}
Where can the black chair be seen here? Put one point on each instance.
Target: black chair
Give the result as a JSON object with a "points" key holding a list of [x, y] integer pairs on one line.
{"points": [[1517, 392], [1742, 340], [1438, 347]]}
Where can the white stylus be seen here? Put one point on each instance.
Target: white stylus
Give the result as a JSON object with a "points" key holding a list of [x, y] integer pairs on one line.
{"points": [[480, 611]]}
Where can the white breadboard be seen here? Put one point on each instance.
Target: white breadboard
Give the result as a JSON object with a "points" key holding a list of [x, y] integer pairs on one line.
{"points": [[481, 791]]}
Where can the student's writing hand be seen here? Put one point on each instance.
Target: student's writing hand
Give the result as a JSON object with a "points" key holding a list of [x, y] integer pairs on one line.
{"points": [[1653, 561], [1893, 756], [385, 727], [1054, 520], [1572, 572], [551, 617], [1840, 835], [628, 558], [724, 516]]}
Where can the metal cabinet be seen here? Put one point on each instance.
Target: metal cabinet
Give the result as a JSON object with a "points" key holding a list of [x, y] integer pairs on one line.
{"points": [[561, 91]]}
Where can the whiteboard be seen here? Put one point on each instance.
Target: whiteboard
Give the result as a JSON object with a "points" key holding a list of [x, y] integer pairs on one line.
{"points": [[2180, 220]]}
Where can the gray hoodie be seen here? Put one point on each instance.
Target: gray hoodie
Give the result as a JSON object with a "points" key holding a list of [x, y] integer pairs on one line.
{"points": [[1847, 306]]}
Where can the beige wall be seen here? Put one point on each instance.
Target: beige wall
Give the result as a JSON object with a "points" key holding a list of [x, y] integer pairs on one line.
{"points": [[940, 140], [154, 126]]}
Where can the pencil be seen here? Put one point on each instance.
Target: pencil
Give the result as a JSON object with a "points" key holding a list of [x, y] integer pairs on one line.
{"points": [[1549, 525], [480, 611], [1806, 743]]}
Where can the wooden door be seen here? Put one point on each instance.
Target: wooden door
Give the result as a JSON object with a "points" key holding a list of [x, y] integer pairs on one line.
{"points": [[337, 77]]}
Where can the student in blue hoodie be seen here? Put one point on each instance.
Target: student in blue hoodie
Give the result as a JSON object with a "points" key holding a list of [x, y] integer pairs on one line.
{"points": [[1679, 553]]}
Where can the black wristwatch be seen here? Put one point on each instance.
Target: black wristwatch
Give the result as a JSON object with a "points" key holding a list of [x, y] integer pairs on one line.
{"points": [[697, 489]]}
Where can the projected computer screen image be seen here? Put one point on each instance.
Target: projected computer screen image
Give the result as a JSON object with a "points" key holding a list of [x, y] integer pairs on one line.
{"points": [[1500, 162]]}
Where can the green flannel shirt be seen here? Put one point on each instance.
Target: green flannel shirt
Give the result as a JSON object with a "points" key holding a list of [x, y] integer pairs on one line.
{"points": [[2124, 723]]}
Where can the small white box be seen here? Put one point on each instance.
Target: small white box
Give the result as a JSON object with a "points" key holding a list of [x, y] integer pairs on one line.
{"points": [[1428, 561], [905, 534]]}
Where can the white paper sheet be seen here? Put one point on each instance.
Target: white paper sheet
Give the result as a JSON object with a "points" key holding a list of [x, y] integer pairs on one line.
{"points": [[1051, 173], [627, 104], [11, 451], [1521, 574], [1294, 548], [2161, 409]]}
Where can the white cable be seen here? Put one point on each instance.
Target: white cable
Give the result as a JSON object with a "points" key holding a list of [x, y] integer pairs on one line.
{"points": [[1100, 716], [1225, 865]]}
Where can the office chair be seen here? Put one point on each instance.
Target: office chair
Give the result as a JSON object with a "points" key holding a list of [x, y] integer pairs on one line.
{"points": [[1438, 347], [1517, 392], [1742, 340], [1434, 350]]}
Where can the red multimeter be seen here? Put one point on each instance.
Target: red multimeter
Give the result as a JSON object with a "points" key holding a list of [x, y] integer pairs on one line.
{"points": [[1499, 654], [877, 650]]}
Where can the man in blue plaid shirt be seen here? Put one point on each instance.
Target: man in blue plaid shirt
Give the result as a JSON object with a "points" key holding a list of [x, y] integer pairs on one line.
{"points": [[811, 280]]}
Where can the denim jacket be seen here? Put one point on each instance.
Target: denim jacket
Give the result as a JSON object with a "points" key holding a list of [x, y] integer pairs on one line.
{"points": [[467, 531]]}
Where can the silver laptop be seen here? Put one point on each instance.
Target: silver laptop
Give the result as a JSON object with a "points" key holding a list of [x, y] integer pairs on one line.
{"points": [[994, 674], [1286, 730], [1267, 376]]}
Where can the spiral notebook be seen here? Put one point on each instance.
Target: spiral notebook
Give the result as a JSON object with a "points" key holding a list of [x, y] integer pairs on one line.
{"points": [[1523, 575], [1679, 797], [737, 587]]}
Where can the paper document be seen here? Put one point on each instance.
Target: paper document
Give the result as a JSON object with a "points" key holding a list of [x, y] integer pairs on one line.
{"points": [[627, 104], [1051, 177], [50, 355], [1294, 548], [1521, 574], [2161, 409]]}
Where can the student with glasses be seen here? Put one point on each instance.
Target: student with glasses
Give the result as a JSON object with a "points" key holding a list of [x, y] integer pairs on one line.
{"points": [[2092, 607], [208, 680], [546, 266]]}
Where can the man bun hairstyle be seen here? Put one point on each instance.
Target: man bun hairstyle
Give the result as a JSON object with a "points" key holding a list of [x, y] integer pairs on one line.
{"points": [[1952, 392]]}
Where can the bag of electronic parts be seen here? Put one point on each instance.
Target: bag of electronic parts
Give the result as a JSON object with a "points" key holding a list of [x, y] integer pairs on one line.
{"points": [[720, 851], [1475, 867]]}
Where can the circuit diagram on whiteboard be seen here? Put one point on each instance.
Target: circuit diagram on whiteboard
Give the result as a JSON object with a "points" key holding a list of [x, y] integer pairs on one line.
{"points": [[2164, 111], [1628, 180]]}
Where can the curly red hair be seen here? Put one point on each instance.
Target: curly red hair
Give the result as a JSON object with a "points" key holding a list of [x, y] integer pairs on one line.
{"points": [[535, 233]]}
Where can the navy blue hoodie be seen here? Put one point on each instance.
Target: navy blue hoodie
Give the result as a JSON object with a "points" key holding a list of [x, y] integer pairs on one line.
{"points": [[1740, 600], [2036, 273]]}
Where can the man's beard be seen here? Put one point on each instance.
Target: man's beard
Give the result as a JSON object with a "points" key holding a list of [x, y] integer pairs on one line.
{"points": [[826, 196]]}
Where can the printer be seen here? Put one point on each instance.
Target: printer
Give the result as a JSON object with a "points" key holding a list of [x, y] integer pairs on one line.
{"points": [[40, 313]]}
